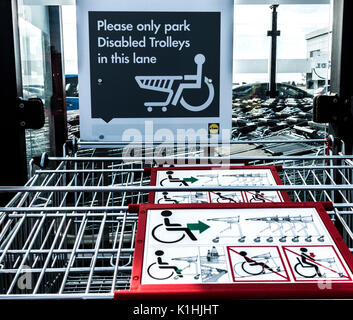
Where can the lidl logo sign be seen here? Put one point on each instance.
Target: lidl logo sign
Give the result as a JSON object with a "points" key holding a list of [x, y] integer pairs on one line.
{"points": [[213, 128]]}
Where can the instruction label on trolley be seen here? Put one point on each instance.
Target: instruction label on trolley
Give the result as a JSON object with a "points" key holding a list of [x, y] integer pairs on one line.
{"points": [[250, 176], [240, 245]]}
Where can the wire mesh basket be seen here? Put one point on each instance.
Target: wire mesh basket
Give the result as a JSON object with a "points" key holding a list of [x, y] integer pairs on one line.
{"points": [[67, 233]]}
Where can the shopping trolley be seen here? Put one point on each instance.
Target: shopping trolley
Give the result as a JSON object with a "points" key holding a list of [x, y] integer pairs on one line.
{"points": [[70, 227]]}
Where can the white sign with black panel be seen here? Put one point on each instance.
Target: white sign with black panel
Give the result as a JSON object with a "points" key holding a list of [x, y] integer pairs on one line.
{"points": [[155, 69]]}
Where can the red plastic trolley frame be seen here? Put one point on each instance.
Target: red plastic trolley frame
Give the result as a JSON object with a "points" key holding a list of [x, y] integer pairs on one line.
{"points": [[264, 290], [274, 171]]}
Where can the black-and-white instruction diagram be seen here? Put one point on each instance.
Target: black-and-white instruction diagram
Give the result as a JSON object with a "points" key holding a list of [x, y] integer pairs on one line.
{"points": [[217, 177], [316, 262], [257, 264], [223, 245]]}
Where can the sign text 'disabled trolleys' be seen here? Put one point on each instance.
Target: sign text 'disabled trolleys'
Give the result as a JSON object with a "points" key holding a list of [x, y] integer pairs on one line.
{"points": [[238, 250], [210, 176]]}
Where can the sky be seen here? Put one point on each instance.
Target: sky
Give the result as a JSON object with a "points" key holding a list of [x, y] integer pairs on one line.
{"points": [[251, 23], [70, 39]]}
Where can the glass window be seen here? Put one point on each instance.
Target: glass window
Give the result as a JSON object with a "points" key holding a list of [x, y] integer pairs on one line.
{"points": [[71, 86], [71, 69], [36, 70], [302, 66]]}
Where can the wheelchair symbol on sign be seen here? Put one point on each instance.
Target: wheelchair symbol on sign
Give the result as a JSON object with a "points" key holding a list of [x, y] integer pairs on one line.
{"points": [[165, 83], [162, 270], [308, 267], [168, 232], [257, 265]]}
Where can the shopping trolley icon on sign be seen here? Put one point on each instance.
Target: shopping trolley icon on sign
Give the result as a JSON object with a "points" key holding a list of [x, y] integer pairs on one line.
{"points": [[165, 84]]}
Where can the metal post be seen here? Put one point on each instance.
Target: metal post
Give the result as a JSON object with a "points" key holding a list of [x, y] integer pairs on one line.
{"points": [[341, 70], [341, 84], [58, 108], [274, 33], [12, 143]]}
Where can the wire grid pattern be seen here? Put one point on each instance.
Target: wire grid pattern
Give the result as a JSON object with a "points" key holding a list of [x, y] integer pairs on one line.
{"points": [[80, 244]]}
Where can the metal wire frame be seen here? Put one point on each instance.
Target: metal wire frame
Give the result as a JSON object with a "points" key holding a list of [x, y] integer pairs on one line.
{"points": [[207, 144], [70, 243], [67, 233]]}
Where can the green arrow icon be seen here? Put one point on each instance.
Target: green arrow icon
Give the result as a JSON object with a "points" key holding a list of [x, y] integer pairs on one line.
{"points": [[191, 179], [200, 226]]}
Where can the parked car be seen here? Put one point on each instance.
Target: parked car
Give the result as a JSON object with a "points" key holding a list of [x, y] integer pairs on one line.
{"points": [[322, 90], [71, 88], [259, 90]]}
